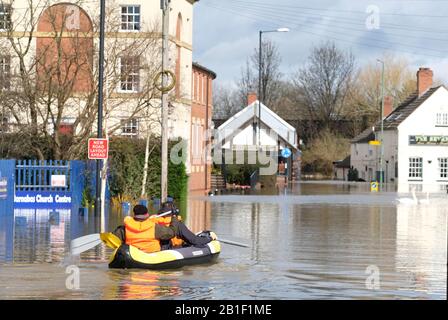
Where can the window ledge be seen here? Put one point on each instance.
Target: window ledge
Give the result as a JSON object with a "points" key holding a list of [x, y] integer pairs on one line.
{"points": [[130, 31], [127, 91]]}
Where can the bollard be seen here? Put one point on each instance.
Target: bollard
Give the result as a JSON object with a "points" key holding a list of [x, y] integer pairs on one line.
{"points": [[143, 202], [156, 203], [83, 212], [54, 217], [125, 208], [20, 221]]}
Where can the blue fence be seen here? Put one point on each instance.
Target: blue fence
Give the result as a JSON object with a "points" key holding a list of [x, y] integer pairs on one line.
{"points": [[45, 184], [42, 184], [33, 175]]}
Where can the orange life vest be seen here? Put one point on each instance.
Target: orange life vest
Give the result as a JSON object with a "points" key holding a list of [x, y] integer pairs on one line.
{"points": [[166, 221], [141, 234]]}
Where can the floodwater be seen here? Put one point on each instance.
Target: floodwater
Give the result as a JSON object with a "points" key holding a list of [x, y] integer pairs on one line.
{"points": [[312, 241]]}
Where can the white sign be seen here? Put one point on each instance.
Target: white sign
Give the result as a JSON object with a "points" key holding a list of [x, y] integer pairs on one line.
{"points": [[58, 180]]}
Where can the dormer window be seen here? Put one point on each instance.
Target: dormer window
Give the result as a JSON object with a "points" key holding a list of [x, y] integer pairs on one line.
{"points": [[442, 119]]}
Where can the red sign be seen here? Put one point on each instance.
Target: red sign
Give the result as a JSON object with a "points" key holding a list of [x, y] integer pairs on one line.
{"points": [[98, 148]]}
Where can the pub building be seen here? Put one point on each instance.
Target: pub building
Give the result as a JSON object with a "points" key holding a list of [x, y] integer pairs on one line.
{"points": [[415, 141]]}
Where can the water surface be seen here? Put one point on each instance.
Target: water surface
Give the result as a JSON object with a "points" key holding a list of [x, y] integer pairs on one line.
{"points": [[314, 241]]}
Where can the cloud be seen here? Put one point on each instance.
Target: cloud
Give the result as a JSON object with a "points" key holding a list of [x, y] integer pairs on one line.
{"points": [[225, 37]]}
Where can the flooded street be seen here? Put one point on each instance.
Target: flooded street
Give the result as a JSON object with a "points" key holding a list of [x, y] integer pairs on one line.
{"points": [[314, 241]]}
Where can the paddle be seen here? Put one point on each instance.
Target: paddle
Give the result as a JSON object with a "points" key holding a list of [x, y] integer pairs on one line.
{"points": [[233, 243], [81, 244], [85, 243]]}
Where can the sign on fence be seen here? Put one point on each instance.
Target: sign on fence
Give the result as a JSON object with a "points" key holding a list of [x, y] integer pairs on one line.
{"points": [[98, 148], [44, 199], [58, 180]]}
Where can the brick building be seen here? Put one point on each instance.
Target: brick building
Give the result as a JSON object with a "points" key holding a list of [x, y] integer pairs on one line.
{"points": [[201, 119]]}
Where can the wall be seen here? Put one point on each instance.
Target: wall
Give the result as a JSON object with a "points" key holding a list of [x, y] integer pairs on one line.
{"points": [[422, 122], [180, 117], [364, 159], [200, 173]]}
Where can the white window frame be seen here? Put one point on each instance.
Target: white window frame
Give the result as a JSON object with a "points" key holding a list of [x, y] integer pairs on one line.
{"points": [[126, 25], [442, 119], [415, 168], [4, 124], [5, 16], [443, 168], [5, 72], [130, 127], [135, 85]]}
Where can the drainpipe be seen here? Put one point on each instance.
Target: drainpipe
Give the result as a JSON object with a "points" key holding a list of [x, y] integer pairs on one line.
{"points": [[206, 130]]}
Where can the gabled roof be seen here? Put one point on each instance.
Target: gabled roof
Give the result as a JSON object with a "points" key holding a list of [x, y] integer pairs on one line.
{"points": [[268, 118], [404, 110], [396, 117], [365, 136], [204, 69], [343, 163]]}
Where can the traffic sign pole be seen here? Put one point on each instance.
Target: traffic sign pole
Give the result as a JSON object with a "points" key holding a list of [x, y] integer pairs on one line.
{"points": [[100, 102]]}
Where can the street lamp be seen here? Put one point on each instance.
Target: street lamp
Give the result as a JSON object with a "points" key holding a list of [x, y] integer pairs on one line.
{"points": [[382, 124], [260, 57]]}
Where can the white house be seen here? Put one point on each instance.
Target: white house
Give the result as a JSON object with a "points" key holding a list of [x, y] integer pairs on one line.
{"points": [[415, 141], [273, 135]]}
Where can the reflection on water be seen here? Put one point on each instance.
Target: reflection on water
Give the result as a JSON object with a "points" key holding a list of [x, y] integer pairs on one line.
{"points": [[301, 246]]}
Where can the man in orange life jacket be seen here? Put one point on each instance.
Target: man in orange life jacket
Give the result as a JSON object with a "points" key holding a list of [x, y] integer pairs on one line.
{"points": [[146, 233]]}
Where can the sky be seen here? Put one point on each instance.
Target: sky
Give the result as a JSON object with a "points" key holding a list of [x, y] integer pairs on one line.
{"points": [[226, 32]]}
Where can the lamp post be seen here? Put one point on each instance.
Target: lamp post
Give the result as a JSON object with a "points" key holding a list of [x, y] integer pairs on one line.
{"points": [[165, 6], [260, 58], [382, 124], [100, 104]]}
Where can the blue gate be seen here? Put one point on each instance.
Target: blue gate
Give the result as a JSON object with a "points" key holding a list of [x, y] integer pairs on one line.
{"points": [[42, 184], [7, 169]]}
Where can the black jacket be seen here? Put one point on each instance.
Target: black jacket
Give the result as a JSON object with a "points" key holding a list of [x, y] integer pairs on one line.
{"points": [[175, 229]]}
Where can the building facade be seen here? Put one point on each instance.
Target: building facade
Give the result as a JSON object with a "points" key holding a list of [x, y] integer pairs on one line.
{"points": [[201, 125], [415, 141], [266, 144], [62, 41]]}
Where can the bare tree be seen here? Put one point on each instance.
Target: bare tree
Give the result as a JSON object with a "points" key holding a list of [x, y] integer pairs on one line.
{"points": [[364, 104], [59, 79], [270, 75], [226, 101], [324, 83]]}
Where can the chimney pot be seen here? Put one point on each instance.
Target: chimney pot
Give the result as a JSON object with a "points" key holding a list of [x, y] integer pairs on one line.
{"points": [[251, 97], [388, 106], [424, 80]]}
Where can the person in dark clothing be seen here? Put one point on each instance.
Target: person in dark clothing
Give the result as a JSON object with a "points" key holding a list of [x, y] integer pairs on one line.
{"points": [[184, 234], [155, 233]]}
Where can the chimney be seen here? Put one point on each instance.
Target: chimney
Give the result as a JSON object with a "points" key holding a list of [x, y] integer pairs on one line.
{"points": [[424, 80], [388, 106], [251, 97]]}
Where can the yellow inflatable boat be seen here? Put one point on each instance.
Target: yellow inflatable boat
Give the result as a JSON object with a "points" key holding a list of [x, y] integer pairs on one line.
{"points": [[127, 257]]}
